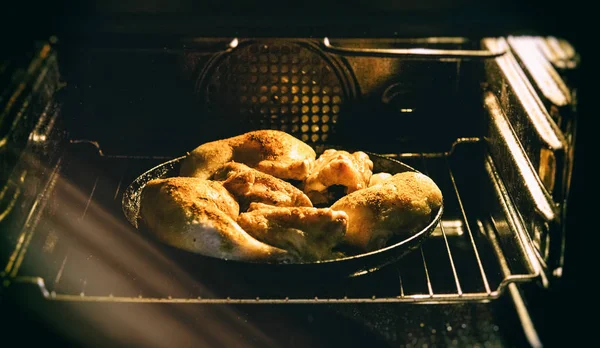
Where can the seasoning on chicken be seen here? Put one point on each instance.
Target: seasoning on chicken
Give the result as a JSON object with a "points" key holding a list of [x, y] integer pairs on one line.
{"points": [[269, 151], [311, 232], [401, 205], [199, 216], [249, 185]]}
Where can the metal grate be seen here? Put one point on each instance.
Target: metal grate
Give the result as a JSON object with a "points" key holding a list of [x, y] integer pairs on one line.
{"points": [[288, 86], [83, 249]]}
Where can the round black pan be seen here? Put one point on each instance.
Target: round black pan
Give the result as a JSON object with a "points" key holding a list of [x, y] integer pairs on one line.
{"points": [[350, 266]]}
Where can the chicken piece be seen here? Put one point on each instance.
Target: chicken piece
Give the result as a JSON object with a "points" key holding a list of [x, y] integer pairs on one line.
{"points": [[401, 205], [269, 151], [310, 232], [334, 167], [199, 216], [249, 185], [378, 178]]}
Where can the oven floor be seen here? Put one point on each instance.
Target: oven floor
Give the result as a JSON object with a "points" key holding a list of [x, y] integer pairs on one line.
{"points": [[84, 254]]}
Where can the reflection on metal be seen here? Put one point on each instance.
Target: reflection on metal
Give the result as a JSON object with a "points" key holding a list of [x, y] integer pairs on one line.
{"points": [[418, 53], [45, 125], [547, 169], [31, 221], [366, 271], [432, 40], [91, 142], [38, 138], [535, 130], [510, 280], [524, 317], [28, 94], [522, 312], [548, 62], [534, 110], [558, 272], [559, 52], [541, 198], [457, 142], [533, 203], [527, 49], [536, 134], [512, 222], [449, 228], [4, 114], [9, 194]]}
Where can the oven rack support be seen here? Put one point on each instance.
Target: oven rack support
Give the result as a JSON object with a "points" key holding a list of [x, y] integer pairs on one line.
{"points": [[453, 266]]}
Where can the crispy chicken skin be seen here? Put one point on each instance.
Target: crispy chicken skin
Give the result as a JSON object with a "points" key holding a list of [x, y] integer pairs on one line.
{"points": [[249, 185], [378, 178], [311, 232], [269, 151], [402, 204], [335, 167], [199, 216]]}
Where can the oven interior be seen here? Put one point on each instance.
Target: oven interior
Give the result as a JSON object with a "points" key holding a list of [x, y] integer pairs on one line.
{"points": [[468, 113]]}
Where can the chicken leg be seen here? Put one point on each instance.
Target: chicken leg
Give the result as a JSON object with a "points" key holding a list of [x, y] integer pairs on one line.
{"points": [[199, 216]]}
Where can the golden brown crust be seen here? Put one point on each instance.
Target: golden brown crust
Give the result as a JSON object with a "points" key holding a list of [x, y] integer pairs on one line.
{"points": [[202, 216], [198, 216], [311, 232], [185, 192], [402, 204], [249, 185], [270, 151]]}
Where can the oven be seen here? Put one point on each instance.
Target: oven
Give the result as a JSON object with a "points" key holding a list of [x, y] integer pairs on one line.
{"points": [[493, 120]]}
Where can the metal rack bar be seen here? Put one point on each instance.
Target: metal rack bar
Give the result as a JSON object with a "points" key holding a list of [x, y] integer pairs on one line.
{"points": [[464, 215], [454, 272], [60, 270], [118, 188], [401, 286], [87, 205], [429, 288]]}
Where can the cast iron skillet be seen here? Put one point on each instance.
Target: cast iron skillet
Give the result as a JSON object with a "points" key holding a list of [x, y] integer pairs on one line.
{"points": [[350, 266]]}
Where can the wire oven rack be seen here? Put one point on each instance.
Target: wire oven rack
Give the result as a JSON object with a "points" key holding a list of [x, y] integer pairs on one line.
{"points": [[78, 245]]}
